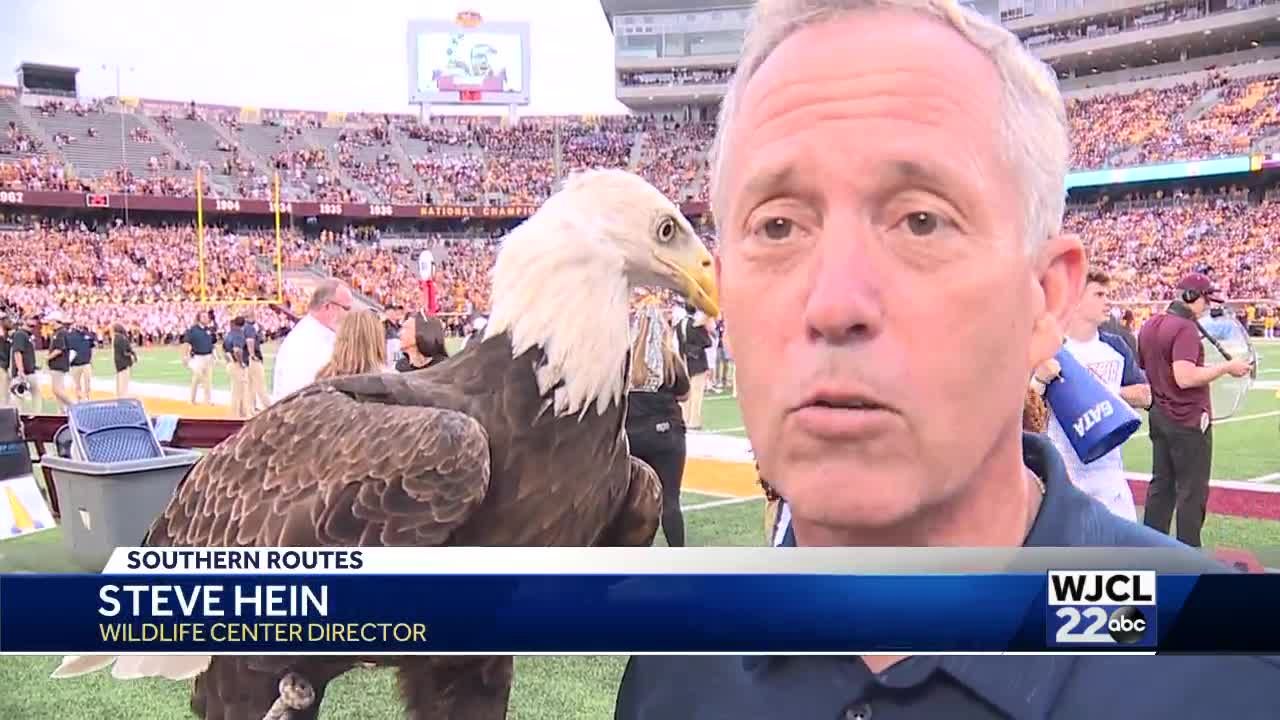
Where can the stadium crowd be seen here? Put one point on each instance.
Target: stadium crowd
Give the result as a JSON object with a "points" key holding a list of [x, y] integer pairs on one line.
{"points": [[147, 277], [483, 161]]}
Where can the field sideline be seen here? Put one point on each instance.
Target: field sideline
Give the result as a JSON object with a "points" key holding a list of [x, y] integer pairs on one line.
{"points": [[1244, 445], [725, 512]]}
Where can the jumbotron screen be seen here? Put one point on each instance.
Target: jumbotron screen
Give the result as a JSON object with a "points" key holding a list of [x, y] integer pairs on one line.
{"points": [[468, 60]]}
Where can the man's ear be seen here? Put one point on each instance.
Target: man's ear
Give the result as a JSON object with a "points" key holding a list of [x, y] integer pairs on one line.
{"points": [[1061, 267], [723, 319]]}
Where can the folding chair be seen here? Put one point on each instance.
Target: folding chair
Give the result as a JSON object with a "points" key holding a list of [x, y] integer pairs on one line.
{"points": [[108, 431]]}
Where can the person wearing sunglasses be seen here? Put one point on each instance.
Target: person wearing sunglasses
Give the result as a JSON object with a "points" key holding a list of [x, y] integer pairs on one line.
{"points": [[309, 344]]}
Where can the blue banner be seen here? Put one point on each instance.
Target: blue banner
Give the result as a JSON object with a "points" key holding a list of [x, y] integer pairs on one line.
{"points": [[1165, 171], [722, 613]]}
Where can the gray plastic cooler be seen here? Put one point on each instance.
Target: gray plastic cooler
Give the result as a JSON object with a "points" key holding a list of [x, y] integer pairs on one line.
{"points": [[110, 505]]}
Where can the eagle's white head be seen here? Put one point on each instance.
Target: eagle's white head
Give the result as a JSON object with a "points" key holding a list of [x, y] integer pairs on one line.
{"points": [[563, 280]]}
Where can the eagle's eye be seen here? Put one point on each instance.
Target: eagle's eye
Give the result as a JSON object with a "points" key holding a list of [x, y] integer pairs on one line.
{"points": [[666, 230]]}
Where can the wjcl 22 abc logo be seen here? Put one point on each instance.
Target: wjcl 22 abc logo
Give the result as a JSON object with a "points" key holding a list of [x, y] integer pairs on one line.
{"points": [[1092, 608]]}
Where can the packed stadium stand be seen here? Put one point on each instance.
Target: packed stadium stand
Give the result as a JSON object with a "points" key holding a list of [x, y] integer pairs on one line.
{"points": [[1213, 114], [1145, 84]]}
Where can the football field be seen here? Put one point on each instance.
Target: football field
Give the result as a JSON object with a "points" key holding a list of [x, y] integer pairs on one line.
{"points": [[561, 688], [1245, 445]]}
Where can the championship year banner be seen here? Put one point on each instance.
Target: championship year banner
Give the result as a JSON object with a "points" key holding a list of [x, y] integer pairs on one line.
{"points": [[349, 602]]}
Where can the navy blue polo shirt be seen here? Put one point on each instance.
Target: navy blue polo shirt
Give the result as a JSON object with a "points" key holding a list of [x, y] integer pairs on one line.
{"points": [[82, 342], [199, 339], [987, 687], [233, 340], [251, 333]]}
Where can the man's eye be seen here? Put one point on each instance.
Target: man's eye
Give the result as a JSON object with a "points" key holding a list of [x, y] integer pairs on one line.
{"points": [[776, 228], [922, 223]]}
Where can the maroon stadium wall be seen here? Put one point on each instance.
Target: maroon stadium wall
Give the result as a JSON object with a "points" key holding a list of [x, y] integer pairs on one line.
{"points": [[41, 199]]}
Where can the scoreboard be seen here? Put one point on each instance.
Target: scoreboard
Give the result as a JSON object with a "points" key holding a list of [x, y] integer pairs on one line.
{"points": [[468, 59]]}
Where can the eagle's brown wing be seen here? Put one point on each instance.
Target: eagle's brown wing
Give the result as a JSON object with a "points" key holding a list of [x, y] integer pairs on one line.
{"points": [[322, 468], [636, 523]]}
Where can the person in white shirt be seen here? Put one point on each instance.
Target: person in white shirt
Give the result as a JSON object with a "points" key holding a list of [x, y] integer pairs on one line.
{"points": [[309, 344], [1109, 359]]}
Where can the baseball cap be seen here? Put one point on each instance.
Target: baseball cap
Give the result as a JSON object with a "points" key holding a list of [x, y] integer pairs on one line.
{"points": [[1199, 282]]}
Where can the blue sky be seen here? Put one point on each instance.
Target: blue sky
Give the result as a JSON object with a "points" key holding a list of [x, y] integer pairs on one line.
{"points": [[297, 54]]}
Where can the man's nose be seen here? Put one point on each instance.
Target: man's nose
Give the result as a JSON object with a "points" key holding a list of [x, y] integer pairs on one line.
{"points": [[844, 302]]}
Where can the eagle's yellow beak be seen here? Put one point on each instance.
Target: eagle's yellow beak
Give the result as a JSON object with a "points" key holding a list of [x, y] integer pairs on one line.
{"points": [[693, 270]]}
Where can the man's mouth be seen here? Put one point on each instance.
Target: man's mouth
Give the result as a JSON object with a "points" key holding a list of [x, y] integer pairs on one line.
{"points": [[843, 401], [843, 416]]}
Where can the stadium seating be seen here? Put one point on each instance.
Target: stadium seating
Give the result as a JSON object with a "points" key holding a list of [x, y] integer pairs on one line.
{"points": [[484, 161], [145, 277]]}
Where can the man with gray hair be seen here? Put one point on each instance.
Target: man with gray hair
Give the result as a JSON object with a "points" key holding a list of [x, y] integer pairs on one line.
{"points": [[309, 344], [883, 168]]}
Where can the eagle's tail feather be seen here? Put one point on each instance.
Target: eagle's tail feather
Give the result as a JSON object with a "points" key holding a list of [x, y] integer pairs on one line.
{"points": [[130, 667], [76, 665]]}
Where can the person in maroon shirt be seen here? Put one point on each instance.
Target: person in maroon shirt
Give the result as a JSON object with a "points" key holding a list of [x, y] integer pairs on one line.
{"points": [[1172, 354]]}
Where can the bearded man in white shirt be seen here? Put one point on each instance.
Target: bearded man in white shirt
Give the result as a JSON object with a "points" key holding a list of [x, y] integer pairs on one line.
{"points": [[309, 344]]}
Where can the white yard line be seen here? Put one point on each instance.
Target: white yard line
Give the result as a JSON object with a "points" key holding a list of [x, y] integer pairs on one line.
{"points": [[1270, 477], [1238, 418], [720, 503], [1246, 485], [709, 493]]}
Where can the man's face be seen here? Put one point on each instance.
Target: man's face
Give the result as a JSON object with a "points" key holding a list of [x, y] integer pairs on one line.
{"points": [[332, 313], [873, 254], [1093, 304]]}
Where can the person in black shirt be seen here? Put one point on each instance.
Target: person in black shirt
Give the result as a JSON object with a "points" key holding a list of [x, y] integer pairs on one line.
{"points": [[694, 341], [237, 350], [392, 319], [124, 356], [198, 356], [421, 343], [59, 358], [22, 366], [6, 330], [257, 396], [81, 340], [657, 383]]}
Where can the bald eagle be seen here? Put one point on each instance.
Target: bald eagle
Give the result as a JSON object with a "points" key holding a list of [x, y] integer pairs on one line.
{"points": [[519, 440]]}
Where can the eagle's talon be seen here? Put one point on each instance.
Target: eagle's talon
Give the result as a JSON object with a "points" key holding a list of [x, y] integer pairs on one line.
{"points": [[295, 694]]}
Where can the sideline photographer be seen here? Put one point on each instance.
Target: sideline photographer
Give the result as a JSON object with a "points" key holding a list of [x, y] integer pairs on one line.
{"points": [[22, 367]]}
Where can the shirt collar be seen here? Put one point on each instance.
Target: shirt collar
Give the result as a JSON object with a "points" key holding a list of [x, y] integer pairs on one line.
{"points": [[1020, 686]]}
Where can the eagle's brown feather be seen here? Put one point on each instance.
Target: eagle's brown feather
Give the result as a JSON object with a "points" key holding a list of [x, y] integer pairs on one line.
{"points": [[462, 453], [407, 476]]}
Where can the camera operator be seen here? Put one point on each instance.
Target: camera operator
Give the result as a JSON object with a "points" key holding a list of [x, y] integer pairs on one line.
{"points": [[22, 367]]}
